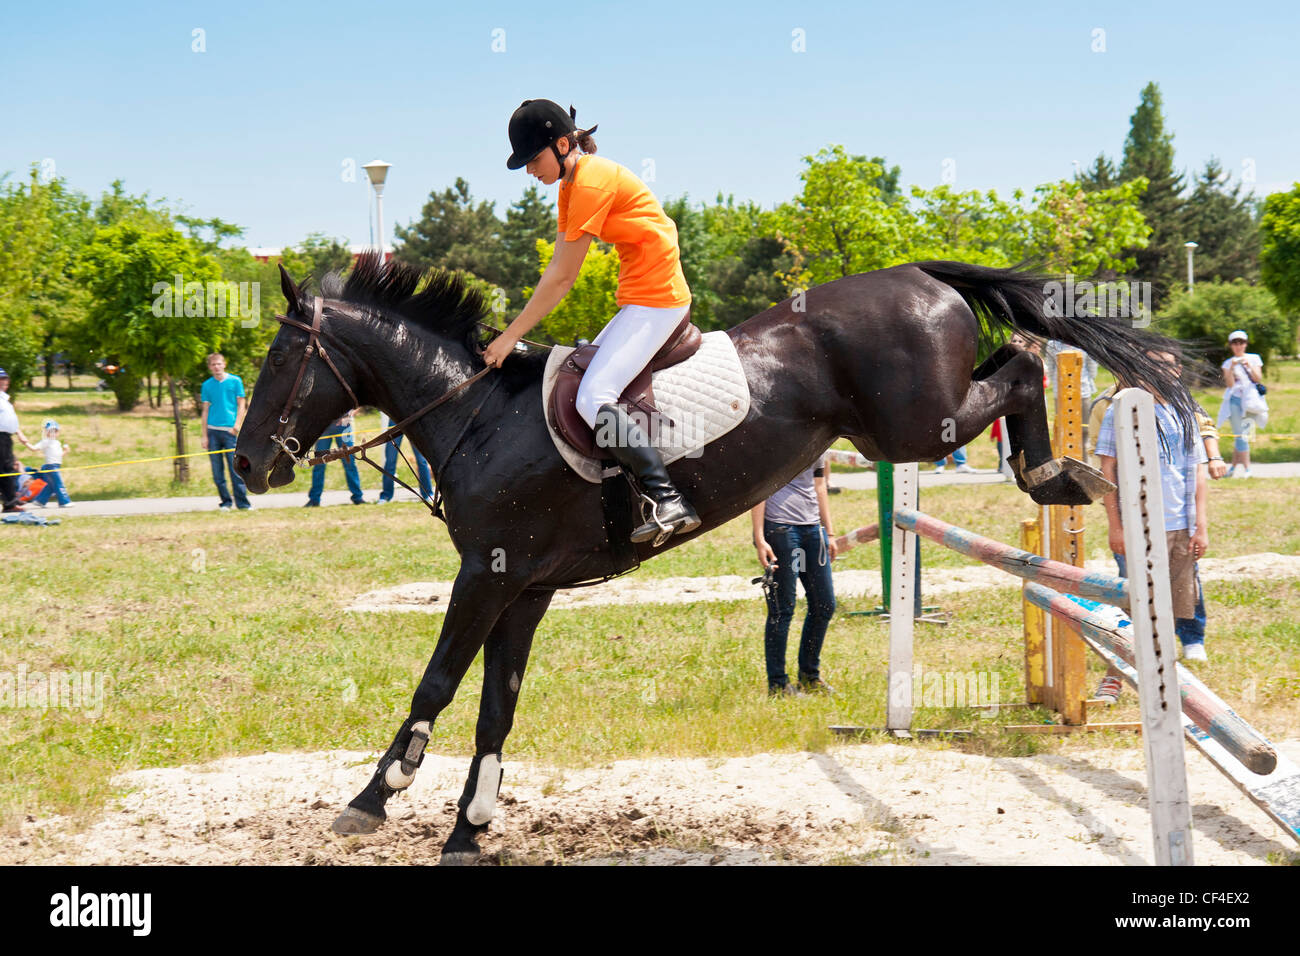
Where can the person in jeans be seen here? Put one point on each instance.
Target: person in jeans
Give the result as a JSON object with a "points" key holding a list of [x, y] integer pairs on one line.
{"points": [[340, 433], [53, 449], [223, 402], [793, 537], [390, 467], [1183, 484], [1243, 405]]}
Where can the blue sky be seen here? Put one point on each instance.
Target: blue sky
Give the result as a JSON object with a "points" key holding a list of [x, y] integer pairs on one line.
{"points": [[259, 127]]}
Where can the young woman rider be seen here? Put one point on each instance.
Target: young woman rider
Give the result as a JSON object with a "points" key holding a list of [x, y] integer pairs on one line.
{"points": [[599, 199]]}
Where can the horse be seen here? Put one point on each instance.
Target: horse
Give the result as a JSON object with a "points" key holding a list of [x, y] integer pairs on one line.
{"points": [[886, 359]]}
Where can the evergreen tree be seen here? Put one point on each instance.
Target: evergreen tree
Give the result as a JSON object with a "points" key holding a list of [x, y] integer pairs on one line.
{"points": [[1149, 153], [529, 218], [454, 232], [1224, 226], [1101, 175]]}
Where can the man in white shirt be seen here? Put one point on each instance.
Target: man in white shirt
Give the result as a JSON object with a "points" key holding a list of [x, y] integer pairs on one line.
{"points": [[9, 427]]}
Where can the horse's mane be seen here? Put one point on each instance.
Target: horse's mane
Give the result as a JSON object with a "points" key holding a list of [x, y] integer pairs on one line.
{"points": [[447, 305]]}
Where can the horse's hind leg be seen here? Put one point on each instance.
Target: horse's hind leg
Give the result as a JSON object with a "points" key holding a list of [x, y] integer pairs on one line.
{"points": [[1010, 384], [477, 600], [505, 656]]}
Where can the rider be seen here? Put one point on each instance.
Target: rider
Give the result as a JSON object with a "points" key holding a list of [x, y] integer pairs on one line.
{"points": [[599, 199]]}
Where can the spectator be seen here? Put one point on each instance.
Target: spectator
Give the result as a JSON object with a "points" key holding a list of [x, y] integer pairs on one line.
{"points": [[53, 449], [1183, 480], [959, 459], [1243, 402], [793, 538], [390, 466], [341, 433], [9, 427], [222, 399]]}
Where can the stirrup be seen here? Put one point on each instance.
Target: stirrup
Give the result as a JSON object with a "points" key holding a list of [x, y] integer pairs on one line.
{"points": [[665, 530]]}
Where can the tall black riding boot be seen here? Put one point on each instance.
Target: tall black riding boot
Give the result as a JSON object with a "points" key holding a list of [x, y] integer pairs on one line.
{"points": [[619, 435]]}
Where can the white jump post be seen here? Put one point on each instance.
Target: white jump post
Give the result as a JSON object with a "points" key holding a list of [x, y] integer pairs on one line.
{"points": [[1150, 601], [898, 716]]}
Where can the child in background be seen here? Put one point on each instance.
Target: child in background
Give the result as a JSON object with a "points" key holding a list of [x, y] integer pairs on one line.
{"points": [[53, 450]]}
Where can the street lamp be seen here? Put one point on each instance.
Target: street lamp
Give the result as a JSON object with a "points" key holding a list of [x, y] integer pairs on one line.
{"points": [[1191, 282], [377, 170]]}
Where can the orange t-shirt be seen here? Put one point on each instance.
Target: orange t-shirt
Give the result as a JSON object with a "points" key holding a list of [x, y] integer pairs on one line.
{"points": [[608, 201]]}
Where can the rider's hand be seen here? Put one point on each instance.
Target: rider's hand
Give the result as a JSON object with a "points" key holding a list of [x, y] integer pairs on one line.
{"points": [[499, 349], [766, 556]]}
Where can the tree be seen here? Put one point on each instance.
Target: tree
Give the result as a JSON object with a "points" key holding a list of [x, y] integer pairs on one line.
{"points": [[590, 303], [1223, 224], [1279, 258], [1101, 175], [841, 221], [1217, 308], [1086, 233], [454, 232], [43, 226], [529, 218], [139, 313], [1149, 154], [315, 257], [972, 226]]}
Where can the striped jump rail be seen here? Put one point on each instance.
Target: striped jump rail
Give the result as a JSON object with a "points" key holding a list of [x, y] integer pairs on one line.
{"points": [[1202, 705], [1106, 588]]}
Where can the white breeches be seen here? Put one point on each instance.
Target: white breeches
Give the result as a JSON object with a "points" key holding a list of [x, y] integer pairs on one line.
{"points": [[627, 344]]}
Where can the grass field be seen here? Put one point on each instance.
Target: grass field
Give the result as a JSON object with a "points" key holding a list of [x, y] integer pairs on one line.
{"points": [[221, 635]]}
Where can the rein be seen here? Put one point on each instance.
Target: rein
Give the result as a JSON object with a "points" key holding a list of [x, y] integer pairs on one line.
{"points": [[293, 448]]}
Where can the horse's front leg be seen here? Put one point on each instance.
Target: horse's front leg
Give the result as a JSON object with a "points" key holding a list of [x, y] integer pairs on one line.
{"points": [[505, 655], [477, 599]]}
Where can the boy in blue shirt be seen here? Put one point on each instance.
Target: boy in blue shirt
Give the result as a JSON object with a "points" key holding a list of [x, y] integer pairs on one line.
{"points": [[1184, 479], [222, 398]]}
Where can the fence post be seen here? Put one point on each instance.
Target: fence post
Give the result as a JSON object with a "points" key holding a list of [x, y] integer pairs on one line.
{"points": [[902, 624], [1141, 504]]}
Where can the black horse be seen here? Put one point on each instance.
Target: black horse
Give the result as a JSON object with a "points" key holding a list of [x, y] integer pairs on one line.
{"points": [[884, 359]]}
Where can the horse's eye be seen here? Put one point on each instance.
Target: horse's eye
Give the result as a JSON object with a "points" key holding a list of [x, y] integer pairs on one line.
{"points": [[276, 359]]}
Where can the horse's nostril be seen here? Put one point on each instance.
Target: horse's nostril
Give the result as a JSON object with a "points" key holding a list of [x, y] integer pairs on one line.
{"points": [[243, 464]]}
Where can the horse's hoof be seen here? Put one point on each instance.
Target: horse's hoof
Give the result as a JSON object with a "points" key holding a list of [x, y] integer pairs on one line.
{"points": [[460, 857], [1075, 484], [353, 821]]}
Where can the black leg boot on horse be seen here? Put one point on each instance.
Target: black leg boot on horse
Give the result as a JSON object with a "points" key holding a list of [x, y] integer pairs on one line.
{"points": [[1046, 479], [669, 513]]}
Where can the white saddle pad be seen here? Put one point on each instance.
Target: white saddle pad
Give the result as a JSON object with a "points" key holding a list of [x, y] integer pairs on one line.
{"points": [[704, 398]]}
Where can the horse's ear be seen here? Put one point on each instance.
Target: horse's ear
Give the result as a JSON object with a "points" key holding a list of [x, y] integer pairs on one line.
{"points": [[291, 293]]}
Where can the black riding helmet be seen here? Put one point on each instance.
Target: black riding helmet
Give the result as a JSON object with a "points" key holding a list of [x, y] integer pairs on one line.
{"points": [[536, 125]]}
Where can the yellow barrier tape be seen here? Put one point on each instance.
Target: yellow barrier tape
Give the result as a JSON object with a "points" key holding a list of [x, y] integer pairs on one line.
{"points": [[141, 461]]}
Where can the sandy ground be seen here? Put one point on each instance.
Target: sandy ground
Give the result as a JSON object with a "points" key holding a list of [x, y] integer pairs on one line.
{"points": [[868, 803], [432, 597], [901, 803]]}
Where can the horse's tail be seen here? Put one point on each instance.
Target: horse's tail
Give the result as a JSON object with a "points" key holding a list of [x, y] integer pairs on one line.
{"points": [[1016, 299]]}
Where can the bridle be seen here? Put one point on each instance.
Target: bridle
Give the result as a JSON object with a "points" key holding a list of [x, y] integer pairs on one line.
{"points": [[290, 445], [314, 347]]}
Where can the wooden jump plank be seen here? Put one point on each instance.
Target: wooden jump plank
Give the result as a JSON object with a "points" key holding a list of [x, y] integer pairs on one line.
{"points": [[1032, 567]]}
